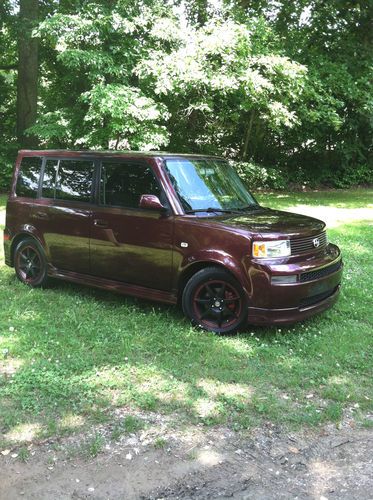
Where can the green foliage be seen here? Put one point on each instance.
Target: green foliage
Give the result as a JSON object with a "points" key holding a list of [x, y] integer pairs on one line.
{"points": [[129, 424], [125, 118], [257, 177], [282, 84], [94, 445], [8, 154], [23, 454]]}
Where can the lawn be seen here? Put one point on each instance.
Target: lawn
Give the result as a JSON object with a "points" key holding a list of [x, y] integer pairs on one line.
{"points": [[70, 355]]}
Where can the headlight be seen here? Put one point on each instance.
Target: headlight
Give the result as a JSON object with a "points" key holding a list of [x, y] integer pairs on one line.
{"points": [[279, 248]]}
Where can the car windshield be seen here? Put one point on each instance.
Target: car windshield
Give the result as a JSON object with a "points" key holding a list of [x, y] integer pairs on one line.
{"points": [[208, 185]]}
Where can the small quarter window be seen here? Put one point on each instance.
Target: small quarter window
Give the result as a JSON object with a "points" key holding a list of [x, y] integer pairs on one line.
{"points": [[122, 184], [28, 177], [68, 180]]}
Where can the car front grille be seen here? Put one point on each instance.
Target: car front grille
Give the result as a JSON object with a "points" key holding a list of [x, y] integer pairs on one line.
{"points": [[314, 299], [302, 245], [320, 273]]}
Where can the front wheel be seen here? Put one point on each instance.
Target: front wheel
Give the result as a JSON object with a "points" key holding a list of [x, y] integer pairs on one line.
{"points": [[30, 263], [215, 301]]}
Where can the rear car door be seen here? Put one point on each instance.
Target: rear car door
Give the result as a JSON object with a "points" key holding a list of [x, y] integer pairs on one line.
{"points": [[64, 211], [131, 244]]}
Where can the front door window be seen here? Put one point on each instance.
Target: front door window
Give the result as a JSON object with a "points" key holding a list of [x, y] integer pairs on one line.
{"points": [[122, 184]]}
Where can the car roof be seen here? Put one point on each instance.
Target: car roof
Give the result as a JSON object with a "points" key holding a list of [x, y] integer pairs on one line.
{"points": [[124, 154]]}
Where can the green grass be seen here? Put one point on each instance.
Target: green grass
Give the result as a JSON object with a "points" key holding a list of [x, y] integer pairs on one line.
{"points": [[353, 198], [71, 355]]}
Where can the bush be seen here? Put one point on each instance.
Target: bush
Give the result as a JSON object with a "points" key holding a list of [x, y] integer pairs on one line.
{"points": [[259, 177], [353, 176], [7, 158]]}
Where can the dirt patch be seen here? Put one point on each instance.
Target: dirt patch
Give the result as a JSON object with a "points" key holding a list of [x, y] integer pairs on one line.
{"points": [[269, 463]]}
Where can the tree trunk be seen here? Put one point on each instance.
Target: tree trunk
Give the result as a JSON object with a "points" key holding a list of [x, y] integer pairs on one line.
{"points": [[27, 84], [247, 136]]}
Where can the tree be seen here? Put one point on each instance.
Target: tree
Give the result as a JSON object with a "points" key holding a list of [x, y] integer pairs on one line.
{"points": [[282, 84], [27, 81]]}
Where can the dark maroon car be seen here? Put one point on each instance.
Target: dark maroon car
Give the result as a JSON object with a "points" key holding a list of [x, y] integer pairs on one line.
{"points": [[167, 227]]}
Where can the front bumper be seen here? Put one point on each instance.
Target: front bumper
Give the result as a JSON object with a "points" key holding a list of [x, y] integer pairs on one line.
{"points": [[259, 316], [281, 303]]}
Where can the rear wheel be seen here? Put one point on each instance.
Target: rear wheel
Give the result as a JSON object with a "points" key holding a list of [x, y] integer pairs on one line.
{"points": [[30, 263], [215, 301]]}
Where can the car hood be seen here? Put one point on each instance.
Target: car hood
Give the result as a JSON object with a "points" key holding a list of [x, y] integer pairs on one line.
{"points": [[272, 222]]}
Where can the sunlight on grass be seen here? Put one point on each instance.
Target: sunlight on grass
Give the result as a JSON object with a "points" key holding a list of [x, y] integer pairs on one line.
{"points": [[206, 408], [11, 366], [349, 198], [23, 433], [334, 217], [71, 421], [338, 379], [215, 389]]}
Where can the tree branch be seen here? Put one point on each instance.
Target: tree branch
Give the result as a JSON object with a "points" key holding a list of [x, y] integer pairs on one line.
{"points": [[7, 67]]}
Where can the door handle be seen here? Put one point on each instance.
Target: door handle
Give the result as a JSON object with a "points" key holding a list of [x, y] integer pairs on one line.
{"points": [[100, 223], [41, 215]]}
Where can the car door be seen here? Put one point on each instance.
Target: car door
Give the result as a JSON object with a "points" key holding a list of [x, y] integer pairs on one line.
{"points": [[64, 211], [130, 244]]}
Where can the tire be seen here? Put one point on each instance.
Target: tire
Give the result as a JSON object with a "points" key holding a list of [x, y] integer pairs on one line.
{"points": [[214, 301], [30, 263]]}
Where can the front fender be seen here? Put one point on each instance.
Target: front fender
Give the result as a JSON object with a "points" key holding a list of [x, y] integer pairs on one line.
{"points": [[195, 261]]}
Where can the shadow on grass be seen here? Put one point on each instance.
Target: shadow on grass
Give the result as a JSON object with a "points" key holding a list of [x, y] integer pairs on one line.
{"points": [[74, 352]]}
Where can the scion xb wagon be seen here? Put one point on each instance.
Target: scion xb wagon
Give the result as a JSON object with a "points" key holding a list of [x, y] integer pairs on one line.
{"points": [[170, 228]]}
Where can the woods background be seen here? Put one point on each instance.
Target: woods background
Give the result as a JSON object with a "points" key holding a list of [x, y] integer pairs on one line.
{"points": [[283, 87]]}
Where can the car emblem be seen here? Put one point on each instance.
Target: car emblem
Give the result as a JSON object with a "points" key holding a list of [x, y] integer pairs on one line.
{"points": [[316, 242]]}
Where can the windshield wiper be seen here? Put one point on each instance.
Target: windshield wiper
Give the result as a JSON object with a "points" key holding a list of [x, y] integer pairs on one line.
{"points": [[211, 209]]}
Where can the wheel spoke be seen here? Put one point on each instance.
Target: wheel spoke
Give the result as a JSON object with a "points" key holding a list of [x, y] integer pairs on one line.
{"points": [[222, 291], [34, 270], [203, 301], [232, 299], [205, 313], [33, 257], [229, 313], [209, 291], [220, 318]]}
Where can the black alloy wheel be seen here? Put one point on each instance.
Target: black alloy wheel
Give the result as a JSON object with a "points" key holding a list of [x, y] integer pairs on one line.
{"points": [[215, 301], [30, 263]]}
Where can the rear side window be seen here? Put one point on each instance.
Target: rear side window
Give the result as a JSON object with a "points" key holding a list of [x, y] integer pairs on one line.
{"points": [[68, 180], [28, 177], [122, 184]]}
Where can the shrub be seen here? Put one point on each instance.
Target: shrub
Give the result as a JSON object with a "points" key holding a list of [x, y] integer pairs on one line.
{"points": [[260, 177], [7, 159], [352, 176]]}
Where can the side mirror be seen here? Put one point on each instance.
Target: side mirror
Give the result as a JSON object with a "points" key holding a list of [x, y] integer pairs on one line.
{"points": [[151, 202]]}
